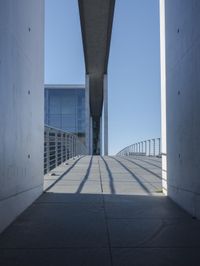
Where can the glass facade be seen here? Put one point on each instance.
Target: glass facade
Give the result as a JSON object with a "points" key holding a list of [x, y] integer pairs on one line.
{"points": [[65, 109]]}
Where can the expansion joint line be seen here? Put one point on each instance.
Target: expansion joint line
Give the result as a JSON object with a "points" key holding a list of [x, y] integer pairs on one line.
{"points": [[106, 218]]}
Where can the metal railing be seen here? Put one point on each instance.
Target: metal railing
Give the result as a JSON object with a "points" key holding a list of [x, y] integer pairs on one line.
{"points": [[150, 147], [60, 146]]}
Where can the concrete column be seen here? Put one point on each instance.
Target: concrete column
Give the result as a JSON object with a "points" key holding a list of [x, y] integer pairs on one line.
{"points": [[105, 90], [87, 115], [180, 68], [163, 95], [21, 105], [91, 136], [101, 137]]}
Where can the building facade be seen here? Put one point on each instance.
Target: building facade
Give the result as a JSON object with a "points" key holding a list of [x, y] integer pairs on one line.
{"points": [[65, 108]]}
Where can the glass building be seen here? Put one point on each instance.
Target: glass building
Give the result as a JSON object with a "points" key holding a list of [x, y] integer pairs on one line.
{"points": [[65, 108]]}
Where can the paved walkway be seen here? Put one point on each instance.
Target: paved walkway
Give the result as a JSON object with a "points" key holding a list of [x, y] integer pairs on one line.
{"points": [[103, 211]]}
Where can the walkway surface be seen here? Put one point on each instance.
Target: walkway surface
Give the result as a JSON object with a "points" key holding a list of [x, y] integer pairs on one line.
{"points": [[103, 211]]}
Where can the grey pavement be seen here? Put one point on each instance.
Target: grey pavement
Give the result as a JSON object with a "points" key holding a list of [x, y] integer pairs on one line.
{"points": [[103, 211]]}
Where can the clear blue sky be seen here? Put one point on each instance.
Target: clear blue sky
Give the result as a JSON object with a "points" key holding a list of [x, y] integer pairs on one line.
{"points": [[134, 64]]}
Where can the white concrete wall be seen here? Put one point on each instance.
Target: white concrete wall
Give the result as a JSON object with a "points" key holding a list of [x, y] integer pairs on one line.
{"points": [[182, 74], [21, 105], [163, 96]]}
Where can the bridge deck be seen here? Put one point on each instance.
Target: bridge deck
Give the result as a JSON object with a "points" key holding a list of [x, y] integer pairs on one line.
{"points": [[103, 211]]}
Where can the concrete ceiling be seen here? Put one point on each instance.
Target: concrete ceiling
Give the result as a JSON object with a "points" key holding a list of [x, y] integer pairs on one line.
{"points": [[96, 23]]}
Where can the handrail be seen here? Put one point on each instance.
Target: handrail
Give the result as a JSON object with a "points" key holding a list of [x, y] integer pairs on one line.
{"points": [[150, 147], [60, 146]]}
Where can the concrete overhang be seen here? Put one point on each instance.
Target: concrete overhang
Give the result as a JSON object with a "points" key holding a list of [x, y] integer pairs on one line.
{"points": [[96, 18]]}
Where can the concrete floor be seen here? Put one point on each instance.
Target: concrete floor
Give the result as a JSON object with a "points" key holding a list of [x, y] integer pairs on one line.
{"points": [[103, 211]]}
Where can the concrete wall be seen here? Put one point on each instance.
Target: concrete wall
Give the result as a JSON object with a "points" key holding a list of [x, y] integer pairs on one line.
{"points": [[21, 105], [87, 114], [105, 103], [181, 94]]}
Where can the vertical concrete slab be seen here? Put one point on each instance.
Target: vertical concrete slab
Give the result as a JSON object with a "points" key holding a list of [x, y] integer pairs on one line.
{"points": [[87, 113], [101, 137], [105, 90], [182, 51], [91, 136], [21, 105], [163, 96]]}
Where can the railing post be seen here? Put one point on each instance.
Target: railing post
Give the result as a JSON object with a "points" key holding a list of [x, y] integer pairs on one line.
{"points": [[66, 147], [159, 148], [56, 148], [47, 152], [154, 147], [145, 147], [149, 147], [75, 151], [72, 146], [59, 146]]}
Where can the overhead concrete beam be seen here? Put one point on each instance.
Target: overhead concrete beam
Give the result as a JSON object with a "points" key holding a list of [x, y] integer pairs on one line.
{"points": [[96, 18]]}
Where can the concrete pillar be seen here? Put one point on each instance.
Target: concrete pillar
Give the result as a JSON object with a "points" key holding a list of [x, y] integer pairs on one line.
{"points": [[163, 96], [101, 137], [91, 136], [21, 106], [180, 98], [105, 90], [87, 115]]}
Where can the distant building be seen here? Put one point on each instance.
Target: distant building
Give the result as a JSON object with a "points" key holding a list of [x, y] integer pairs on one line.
{"points": [[65, 108]]}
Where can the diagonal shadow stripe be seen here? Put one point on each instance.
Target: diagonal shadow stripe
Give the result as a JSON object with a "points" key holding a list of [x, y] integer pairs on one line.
{"points": [[85, 177], [66, 172], [139, 159], [111, 180], [133, 175], [146, 169], [157, 161]]}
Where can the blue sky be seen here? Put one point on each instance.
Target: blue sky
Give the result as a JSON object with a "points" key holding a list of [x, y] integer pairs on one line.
{"points": [[134, 64]]}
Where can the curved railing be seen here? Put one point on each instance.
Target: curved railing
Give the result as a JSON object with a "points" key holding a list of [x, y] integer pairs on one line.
{"points": [[150, 147], [60, 146]]}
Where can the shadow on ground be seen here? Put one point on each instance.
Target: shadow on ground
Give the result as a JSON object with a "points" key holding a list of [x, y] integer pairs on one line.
{"points": [[99, 229]]}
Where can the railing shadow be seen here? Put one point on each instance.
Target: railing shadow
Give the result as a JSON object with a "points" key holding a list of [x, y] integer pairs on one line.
{"points": [[133, 175], [144, 168], [111, 180]]}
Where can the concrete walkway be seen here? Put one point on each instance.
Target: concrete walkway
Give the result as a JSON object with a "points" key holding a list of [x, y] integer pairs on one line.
{"points": [[103, 211]]}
